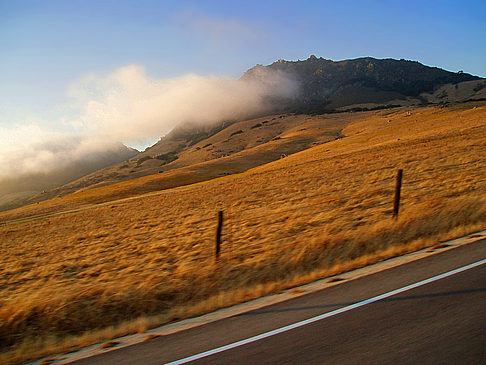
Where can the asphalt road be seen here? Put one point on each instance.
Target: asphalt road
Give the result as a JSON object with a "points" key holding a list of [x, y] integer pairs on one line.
{"points": [[440, 322]]}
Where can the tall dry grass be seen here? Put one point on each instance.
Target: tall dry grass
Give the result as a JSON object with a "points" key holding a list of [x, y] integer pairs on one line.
{"points": [[75, 278]]}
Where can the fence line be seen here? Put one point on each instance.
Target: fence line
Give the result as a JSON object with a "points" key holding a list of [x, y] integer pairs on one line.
{"points": [[226, 231]]}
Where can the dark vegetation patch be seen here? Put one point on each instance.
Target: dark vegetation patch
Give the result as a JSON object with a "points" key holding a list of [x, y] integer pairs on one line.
{"points": [[143, 159], [362, 109], [479, 87], [198, 137], [195, 134], [235, 133], [167, 157]]}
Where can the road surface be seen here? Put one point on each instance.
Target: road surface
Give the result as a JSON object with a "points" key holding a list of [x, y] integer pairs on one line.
{"points": [[439, 320]]}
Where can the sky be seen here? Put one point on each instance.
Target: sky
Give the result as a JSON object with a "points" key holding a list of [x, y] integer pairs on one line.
{"points": [[63, 63]]}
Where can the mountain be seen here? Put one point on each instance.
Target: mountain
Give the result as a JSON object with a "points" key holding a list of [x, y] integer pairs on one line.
{"points": [[330, 94], [327, 85]]}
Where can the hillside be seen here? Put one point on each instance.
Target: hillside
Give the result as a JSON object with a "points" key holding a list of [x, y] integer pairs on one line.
{"points": [[76, 273], [235, 149], [194, 153]]}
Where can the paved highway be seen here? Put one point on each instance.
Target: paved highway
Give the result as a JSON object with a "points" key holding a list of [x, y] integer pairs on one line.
{"points": [[402, 315]]}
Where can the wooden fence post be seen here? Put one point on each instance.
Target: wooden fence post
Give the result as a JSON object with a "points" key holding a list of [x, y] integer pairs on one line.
{"points": [[218, 234], [398, 187]]}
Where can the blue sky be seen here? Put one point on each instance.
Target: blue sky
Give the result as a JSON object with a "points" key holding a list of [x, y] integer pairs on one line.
{"points": [[46, 46]]}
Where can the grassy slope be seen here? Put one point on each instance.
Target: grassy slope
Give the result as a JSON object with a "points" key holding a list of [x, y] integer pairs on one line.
{"points": [[149, 260], [277, 135]]}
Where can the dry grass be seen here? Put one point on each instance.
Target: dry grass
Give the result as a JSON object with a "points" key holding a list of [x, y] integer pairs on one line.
{"points": [[74, 279]]}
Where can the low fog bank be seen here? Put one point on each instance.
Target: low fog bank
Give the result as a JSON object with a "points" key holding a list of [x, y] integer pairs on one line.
{"points": [[59, 153], [129, 106], [63, 163]]}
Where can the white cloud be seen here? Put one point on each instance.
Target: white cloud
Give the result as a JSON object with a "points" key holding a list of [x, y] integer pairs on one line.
{"points": [[129, 106], [27, 149]]}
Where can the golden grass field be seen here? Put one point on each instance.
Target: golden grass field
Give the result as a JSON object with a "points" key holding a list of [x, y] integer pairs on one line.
{"points": [[76, 278]]}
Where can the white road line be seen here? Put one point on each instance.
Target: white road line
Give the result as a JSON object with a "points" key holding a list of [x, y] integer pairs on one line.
{"points": [[325, 315]]}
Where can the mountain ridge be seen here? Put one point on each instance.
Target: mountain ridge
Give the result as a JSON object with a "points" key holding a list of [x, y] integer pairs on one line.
{"points": [[327, 85]]}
